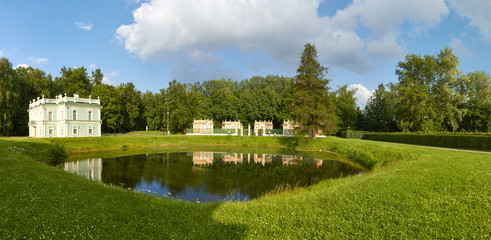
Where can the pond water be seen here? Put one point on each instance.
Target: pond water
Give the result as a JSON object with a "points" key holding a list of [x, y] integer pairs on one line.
{"points": [[208, 176]]}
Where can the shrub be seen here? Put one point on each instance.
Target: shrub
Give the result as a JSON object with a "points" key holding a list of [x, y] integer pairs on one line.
{"points": [[56, 154], [475, 142]]}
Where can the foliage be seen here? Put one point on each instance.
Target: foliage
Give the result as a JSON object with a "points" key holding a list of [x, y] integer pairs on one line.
{"points": [[313, 107], [380, 111], [9, 96], [475, 142], [56, 153], [346, 110]]}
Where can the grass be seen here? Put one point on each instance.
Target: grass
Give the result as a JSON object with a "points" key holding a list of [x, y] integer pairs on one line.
{"points": [[411, 192]]}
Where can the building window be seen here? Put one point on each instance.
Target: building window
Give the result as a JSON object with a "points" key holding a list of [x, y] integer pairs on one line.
{"points": [[91, 130], [90, 115], [74, 114], [61, 132], [75, 130], [51, 131], [50, 115]]}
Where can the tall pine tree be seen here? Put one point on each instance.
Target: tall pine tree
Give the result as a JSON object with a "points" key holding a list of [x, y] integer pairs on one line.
{"points": [[313, 107]]}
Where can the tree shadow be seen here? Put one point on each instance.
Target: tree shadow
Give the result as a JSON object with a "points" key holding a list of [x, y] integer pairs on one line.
{"points": [[290, 142]]}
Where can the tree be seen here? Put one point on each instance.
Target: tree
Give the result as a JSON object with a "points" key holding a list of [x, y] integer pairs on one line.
{"points": [[312, 107], [380, 112], [346, 109], [131, 107], [34, 83], [74, 81], [427, 99], [111, 113], [96, 77], [9, 96], [476, 89]]}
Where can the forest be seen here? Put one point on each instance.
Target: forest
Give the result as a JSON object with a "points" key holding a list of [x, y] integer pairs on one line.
{"points": [[431, 95]]}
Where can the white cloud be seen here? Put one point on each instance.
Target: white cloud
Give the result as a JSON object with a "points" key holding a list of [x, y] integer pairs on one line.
{"points": [[384, 17], [21, 66], [387, 48], [459, 48], [477, 11], [107, 81], [362, 94], [1, 53], [38, 60], [92, 66], [84, 26], [203, 30], [112, 74], [206, 59]]}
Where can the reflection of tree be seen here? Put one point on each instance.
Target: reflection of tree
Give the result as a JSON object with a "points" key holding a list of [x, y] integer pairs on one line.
{"points": [[228, 173]]}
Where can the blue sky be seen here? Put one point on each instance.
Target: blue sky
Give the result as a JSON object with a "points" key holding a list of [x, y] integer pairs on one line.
{"points": [[152, 42]]}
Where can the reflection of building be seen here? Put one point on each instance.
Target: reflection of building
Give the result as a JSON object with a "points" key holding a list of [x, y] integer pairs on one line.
{"points": [[202, 158], [261, 127], [291, 159], [289, 127], [203, 126], [232, 158], [64, 117], [90, 168], [262, 158]]}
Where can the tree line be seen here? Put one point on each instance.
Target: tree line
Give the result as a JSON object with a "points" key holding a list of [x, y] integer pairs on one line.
{"points": [[431, 95]]}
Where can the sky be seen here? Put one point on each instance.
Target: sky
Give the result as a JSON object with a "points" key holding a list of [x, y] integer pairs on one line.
{"points": [[150, 43]]}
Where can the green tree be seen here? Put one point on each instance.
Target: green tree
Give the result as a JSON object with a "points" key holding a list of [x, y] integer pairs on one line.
{"points": [[97, 77], [131, 107], [380, 112], [476, 89], [74, 81], [111, 113], [34, 83], [312, 107], [154, 110], [10, 87], [427, 99], [346, 109]]}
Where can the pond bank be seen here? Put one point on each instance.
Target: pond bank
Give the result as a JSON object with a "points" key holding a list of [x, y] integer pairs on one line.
{"points": [[410, 193]]}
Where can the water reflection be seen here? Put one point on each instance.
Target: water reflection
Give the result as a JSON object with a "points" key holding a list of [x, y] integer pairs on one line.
{"points": [[209, 176]]}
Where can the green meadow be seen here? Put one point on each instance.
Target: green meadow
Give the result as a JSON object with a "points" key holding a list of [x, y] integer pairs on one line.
{"points": [[407, 192]]}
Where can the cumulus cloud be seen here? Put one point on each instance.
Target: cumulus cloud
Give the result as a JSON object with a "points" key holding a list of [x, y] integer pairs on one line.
{"points": [[92, 66], [387, 48], [459, 48], [21, 66], [1, 53], [362, 94], [477, 11], [84, 26], [202, 30], [38, 60], [107, 78]]}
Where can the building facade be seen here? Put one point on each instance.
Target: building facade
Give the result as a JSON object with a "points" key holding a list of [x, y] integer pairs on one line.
{"points": [[65, 117], [203, 126]]}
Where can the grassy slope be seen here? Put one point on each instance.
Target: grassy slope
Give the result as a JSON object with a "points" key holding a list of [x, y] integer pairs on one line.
{"points": [[412, 192]]}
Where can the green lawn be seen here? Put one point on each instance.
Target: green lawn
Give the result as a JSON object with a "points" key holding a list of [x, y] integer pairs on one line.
{"points": [[411, 192]]}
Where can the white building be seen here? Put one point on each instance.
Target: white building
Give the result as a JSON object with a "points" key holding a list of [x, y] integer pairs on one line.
{"points": [[65, 117]]}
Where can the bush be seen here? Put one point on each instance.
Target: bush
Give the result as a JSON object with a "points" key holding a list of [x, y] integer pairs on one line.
{"points": [[475, 142], [353, 134], [56, 154]]}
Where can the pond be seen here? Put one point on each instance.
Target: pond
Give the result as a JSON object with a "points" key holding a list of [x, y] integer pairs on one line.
{"points": [[209, 176]]}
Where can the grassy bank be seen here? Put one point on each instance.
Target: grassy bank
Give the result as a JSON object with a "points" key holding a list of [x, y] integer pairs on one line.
{"points": [[412, 192]]}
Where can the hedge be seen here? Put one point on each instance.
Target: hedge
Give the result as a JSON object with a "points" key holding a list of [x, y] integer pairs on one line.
{"points": [[480, 142]]}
